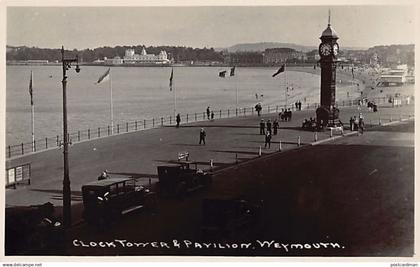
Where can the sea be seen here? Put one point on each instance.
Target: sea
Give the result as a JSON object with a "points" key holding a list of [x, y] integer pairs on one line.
{"points": [[140, 93]]}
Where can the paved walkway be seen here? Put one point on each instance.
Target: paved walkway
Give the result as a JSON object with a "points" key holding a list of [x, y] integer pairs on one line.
{"points": [[228, 141]]}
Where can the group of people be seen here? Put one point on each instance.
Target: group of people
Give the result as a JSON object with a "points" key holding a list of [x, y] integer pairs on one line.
{"points": [[298, 105], [372, 106], [210, 114], [258, 109], [267, 129], [285, 115], [357, 123]]}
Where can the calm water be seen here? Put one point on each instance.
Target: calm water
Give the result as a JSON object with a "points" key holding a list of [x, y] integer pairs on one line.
{"points": [[139, 93]]}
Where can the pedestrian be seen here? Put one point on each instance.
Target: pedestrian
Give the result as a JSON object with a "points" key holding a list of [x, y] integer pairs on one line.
{"points": [[262, 127], [275, 126], [361, 124], [178, 120], [351, 124], [208, 113], [212, 115], [267, 139], [269, 126], [202, 136], [300, 105]]}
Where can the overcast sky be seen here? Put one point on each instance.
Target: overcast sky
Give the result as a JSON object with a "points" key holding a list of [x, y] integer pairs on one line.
{"points": [[90, 27]]}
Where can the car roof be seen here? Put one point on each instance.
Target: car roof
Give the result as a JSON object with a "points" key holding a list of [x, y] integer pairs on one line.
{"points": [[107, 182]]}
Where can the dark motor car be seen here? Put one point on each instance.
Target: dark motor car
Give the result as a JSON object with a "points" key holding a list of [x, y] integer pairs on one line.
{"points": [[177, 180], [107, 200]]}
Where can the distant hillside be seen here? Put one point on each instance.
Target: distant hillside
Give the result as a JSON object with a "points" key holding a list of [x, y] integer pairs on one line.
{"points": [[259, 47]]}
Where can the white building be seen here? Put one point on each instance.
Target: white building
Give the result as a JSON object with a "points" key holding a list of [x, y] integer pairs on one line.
{"points": [[132, 58]]}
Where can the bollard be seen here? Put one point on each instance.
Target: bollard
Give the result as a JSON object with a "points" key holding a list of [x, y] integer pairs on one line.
{"points": [[298, 141], [259, 152], [316, 136], [331, 133], [279, 145], [211, 164]]}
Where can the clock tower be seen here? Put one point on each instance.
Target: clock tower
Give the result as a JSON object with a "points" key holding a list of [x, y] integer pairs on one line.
{"points": [[328, 51]]}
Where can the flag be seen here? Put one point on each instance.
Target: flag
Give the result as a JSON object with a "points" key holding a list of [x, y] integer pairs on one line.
{"points": [[232, 71], [279, 71], [104, 77], [170, 79], [222, 74], [30, 89]]}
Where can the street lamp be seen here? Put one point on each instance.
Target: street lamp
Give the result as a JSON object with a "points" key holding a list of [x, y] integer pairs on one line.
{"points": [[66, 181]]}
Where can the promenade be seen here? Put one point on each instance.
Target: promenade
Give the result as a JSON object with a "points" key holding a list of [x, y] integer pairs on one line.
{"points": [[229, 141]]}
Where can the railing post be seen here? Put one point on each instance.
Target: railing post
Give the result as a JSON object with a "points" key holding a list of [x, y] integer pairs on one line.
{"points": [[58, 141], [118, 128], [99, 131], [34, 146], [236, 110], [23, 151], [220, 112], [161, 121], [136, 125], [46, 143], [170, 120], [126, 126], [109, 131], [153, 123], [88, 133], [78, 134]]}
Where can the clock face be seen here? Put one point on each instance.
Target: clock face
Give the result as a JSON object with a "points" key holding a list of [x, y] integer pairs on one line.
{"points": [[325, 49], [335, 49]]}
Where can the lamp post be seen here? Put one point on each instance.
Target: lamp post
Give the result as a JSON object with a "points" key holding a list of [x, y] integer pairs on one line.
{"points": [[66, 181]]}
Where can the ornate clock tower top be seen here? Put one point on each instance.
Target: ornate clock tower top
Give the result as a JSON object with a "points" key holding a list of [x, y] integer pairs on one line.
{"points": [[329, 32]]}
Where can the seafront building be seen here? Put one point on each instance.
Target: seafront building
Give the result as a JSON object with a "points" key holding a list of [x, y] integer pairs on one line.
{"points": [[131, 58]]}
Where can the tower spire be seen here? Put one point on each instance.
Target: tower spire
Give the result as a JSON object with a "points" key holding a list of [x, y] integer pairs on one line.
{"points": [[329, 17]]}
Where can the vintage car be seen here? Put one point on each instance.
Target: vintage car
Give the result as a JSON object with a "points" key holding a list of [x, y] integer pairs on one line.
{"points": [[177, 180], [107, 200]]}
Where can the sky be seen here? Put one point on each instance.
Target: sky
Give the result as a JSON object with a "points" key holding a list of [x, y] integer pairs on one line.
{"points": [[214, 26]]}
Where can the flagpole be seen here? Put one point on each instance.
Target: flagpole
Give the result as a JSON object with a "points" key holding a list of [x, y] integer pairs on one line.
{"points": [[112, 106]]}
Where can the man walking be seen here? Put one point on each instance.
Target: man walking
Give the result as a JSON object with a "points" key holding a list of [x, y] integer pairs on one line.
{"points": [[275, 126], [178, 120], [267, 139], [202, 137], [208, 113], [269, 126], [262, 127]]}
